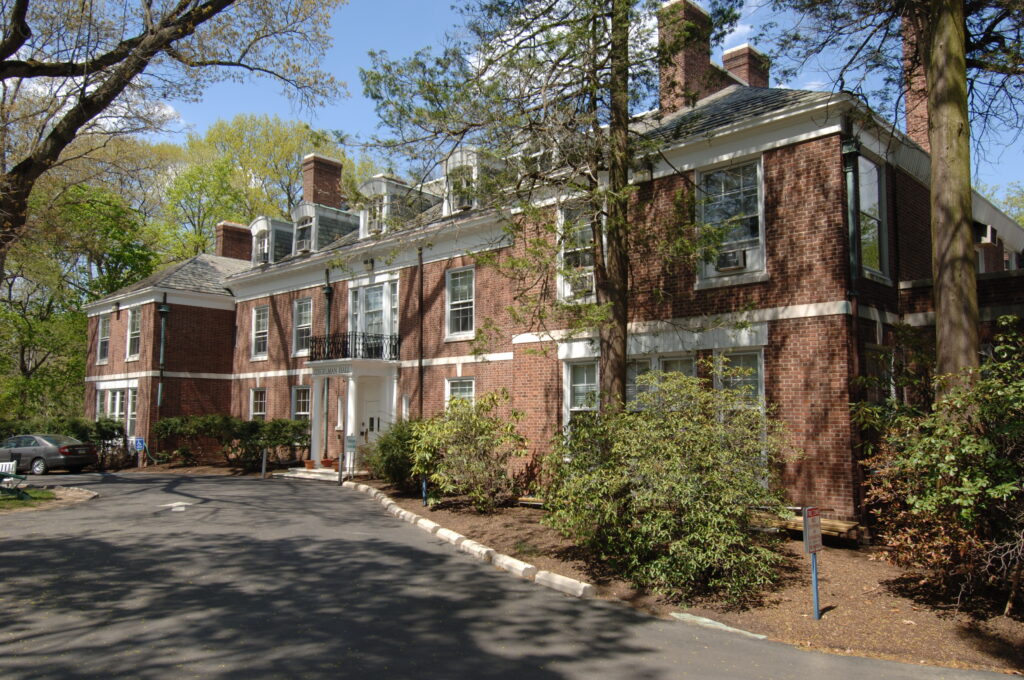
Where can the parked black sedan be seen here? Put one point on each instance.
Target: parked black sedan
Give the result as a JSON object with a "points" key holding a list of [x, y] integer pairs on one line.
{"points": [[40, 453]]}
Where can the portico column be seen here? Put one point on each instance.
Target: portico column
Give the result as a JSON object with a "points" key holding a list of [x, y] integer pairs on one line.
{"points": [[316, 419], [351, 420]]}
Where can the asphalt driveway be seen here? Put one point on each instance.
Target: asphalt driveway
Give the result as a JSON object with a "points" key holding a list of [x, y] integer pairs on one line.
{"points": [[282, 579]]}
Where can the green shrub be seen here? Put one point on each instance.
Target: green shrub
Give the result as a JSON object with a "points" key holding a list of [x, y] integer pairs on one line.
{"points": [[467, 450], [665, 491], [946, 483], [390, 457]]}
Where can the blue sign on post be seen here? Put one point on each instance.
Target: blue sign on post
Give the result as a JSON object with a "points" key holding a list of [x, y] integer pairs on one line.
{"points": [[140, 443]]}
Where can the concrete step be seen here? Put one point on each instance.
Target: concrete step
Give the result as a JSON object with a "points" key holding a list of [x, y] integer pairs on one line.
{"points": [[319, 474]]}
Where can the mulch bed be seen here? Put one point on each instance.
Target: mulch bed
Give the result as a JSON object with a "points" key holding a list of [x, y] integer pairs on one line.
{"points": [[870, 608]]}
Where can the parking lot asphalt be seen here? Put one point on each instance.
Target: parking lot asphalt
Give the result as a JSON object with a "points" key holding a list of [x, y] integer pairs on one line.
{"points": [[253, 579]]}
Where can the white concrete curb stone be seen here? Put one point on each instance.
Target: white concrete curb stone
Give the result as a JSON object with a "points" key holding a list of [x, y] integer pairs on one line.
{"points": [[348, 485], [564, 584], [477, 550], [450, 536], [427, 525], [514, 566], [410, 517]]}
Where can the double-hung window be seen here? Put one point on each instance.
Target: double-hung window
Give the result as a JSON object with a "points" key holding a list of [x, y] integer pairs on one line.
{"points": [[134, 334], [460, 388], [258, 404], [731, 203], [103, 339], [582, 394], [634, 369], [872, 223], [748, 376], [460, 300], [302, 316], [300, 402], [576, 278], [260, 331]]}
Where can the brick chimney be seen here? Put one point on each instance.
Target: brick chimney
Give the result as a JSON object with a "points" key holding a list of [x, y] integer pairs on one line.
{"points": [[321, 181], [747, 64], [684, 42], [915, 92], [234, 241]]}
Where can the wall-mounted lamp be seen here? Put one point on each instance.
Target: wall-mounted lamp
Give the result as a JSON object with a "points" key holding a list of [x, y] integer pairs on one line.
{"points": [[368, 264]]}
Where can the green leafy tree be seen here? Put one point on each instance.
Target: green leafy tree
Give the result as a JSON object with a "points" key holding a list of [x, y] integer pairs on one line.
{"points": [[77, 73], [966, 61], [200, 196], [85, 242], [265, 154], [667, 491], [543, 91]]}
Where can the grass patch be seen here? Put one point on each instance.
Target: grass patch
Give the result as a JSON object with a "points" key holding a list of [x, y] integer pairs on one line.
{"points": [[37, 496]]}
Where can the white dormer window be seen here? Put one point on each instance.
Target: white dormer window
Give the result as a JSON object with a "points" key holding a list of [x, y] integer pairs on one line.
{"points": [[375, 215], [303, 234], [261, 248], [461, 187]]}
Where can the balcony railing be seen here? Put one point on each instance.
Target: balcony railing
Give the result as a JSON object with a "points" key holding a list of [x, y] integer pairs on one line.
{"points": [[353, 346]]}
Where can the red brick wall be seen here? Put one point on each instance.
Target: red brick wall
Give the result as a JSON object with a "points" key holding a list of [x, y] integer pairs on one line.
{"points": [[807, 379]]}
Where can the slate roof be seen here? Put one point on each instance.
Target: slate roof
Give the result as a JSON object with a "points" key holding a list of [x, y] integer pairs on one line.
{"points": [[734, 106], [201, 274]]}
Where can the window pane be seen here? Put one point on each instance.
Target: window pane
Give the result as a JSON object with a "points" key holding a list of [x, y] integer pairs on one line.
{"points": [[461, 389], [750, 365], [583, 386], [678, 365], [373, 299], [460, 301], [300, 398], [731, 200], [870, 215]]}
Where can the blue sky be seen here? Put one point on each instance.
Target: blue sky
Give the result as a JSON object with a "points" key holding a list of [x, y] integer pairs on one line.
{"points": [[401, 27]]}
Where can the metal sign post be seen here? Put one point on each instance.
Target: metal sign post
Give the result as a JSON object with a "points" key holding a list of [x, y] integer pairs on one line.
{"points": [[812, 545]]}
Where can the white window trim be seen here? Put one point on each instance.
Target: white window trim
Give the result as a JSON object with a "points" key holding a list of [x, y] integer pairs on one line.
{"points": [[252, 335], [464, 335], [295, 390], [295, 326], [128, 335], [564, 292], [567, 409], [100, 337], [448, 388], [883, 276], [252, 402], [757, 272], [389, 291]]}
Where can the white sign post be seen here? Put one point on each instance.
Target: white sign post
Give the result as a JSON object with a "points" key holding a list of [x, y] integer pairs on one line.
{"points": [[812, 545]]}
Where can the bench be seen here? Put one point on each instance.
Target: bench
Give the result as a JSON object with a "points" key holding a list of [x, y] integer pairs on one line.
{"points": [[829, 527], [10, 479]]}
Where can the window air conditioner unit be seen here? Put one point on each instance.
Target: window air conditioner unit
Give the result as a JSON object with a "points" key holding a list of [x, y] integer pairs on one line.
{"points": [[262, 258], [302, 246], [731, 261]]}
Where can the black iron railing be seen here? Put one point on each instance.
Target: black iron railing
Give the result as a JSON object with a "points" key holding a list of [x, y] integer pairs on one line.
{"points": [[353, 346]]}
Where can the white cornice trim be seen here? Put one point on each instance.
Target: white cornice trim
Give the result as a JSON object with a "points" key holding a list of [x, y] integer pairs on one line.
{"points": [[156, 295], [698, 324], [453, 361]]}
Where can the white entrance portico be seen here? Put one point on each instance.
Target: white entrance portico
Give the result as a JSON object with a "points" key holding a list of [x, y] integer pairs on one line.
{"points": [[367, 407]]}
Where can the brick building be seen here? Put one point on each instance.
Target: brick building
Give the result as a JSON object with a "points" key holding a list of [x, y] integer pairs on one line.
{"points": [[353, 319]]}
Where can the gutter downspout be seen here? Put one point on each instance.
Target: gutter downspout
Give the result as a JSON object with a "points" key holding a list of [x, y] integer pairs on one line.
{"points": [[328, 297], [851, 154], [163, 309], [419, 360]]}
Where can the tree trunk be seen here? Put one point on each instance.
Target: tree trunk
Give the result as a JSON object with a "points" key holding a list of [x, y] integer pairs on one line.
{"points": [[953, 259], [614, 288]]}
